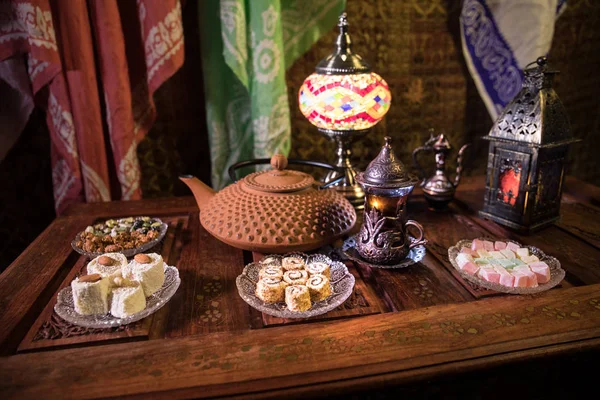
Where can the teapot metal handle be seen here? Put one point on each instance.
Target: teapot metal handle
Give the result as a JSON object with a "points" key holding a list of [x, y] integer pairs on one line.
{"points": [[415, 152], [296, 161], [459, 164]]}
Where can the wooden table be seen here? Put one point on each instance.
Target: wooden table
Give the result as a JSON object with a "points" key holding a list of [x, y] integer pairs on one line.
{"points": [[420, 326]]}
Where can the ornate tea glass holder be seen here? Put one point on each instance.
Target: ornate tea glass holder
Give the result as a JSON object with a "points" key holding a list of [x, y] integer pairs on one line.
{"points": [[344, 99], [383, 237]]}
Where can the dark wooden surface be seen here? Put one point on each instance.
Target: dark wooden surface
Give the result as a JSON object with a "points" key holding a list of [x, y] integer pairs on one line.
{"points": [[397, 329]]}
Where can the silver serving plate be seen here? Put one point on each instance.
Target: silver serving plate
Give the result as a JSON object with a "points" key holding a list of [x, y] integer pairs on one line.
{"points": [[66, 309], [557, 274], [415, 255], [127, 252], [342, 284]]}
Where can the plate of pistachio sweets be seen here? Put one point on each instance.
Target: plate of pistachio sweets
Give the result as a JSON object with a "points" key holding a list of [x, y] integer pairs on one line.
{"points": [[505, 266], [128, 236], [295, 285], [113, 291]]}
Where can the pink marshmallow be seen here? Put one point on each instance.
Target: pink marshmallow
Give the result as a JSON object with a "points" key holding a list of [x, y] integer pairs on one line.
{"points": [[499, 246], [489, 246], [506, 278], [470, 267], [463, 258], [489, 274], [476, 244], [512, 246], [541, 270]]}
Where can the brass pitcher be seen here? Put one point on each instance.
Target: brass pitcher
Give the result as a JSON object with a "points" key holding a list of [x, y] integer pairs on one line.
{"points": [[438, 189]]}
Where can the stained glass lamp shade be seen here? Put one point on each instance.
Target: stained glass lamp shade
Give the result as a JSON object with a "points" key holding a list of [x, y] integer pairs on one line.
{"points": [[344, 99], [344, 102]]}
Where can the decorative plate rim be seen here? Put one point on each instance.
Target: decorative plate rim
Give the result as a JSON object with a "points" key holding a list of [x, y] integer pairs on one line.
{"points": [[111, 321], [275, 308], [557, 274], [127, 252], [406, 261]]}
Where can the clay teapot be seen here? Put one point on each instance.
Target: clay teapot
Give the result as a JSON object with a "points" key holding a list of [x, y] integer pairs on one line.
{"points": [[275, 211]]}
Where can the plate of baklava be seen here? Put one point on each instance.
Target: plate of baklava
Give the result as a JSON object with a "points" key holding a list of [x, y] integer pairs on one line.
{"points": [[114, 291], [295, 285]]}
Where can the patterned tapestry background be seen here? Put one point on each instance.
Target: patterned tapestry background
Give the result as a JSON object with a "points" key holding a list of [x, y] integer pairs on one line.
{"points": [[413, 44]]}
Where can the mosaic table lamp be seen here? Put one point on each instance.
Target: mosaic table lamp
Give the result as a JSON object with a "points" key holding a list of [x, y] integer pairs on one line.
{"points": [[344, 99]]}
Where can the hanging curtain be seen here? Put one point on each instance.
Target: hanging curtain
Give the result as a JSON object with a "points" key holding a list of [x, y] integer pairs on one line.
{"points": [[93, 66], [499, 39], [246, 47]]}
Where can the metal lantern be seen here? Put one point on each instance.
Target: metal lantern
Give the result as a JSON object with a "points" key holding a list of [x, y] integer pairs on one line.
{"points": [[343, 99], [527, 155]]}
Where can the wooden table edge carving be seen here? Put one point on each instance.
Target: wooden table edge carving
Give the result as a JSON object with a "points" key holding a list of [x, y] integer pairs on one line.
{"points": [[354, 353]]}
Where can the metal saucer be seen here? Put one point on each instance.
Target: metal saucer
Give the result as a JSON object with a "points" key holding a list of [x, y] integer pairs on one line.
{"points": [[349, 252]]}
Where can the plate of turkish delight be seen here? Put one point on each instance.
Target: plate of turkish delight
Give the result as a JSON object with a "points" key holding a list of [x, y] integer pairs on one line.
{"points": [[114, 291], [505, 266], [295, 285]]}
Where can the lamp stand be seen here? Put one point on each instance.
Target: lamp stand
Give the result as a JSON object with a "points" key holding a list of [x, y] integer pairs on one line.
{"points": [[348, 186]]}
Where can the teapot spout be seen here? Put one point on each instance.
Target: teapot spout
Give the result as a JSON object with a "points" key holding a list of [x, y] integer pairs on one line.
{"points": [[202, 192]]}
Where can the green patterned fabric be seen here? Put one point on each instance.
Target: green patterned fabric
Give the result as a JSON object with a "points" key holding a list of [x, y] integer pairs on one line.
{"points": [[246, 47]]}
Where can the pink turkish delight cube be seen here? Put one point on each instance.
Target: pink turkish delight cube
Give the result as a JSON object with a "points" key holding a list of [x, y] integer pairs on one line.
{"points": [[476, 244], [468, 251], [463, 258], [531, 276], [505, 278], [489, 274], [541, 270], [521, 280], [512, 246], [470, 267], [499, 245], [489, 246]]}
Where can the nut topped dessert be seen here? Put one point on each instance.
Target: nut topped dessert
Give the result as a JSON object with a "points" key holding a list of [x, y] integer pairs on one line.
{"points": [[108, 265], [90, 294], [116, 235], [148, 269], [118, 286]]}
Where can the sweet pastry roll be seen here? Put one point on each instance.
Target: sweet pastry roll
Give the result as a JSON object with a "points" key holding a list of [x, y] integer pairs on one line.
{"points": [[107, 265], [90, 294], [270, 261], [297, 298], [290, 263], [148, 269], [296, 277], [319, 268], [270, 271], [127, 298], [271, 290], [318, 287]]}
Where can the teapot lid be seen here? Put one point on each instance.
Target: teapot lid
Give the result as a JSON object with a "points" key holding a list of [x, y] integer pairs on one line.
{"points": [[279, 179], [386, 171]]}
